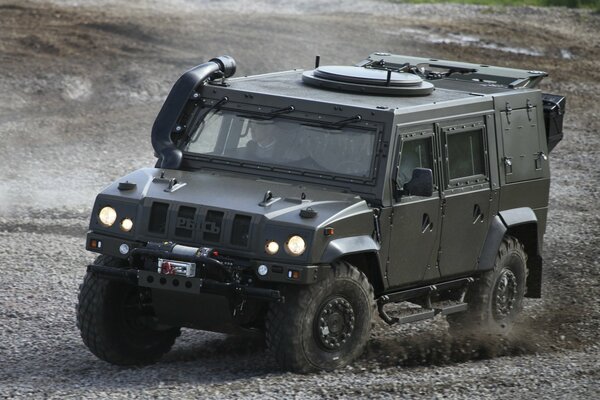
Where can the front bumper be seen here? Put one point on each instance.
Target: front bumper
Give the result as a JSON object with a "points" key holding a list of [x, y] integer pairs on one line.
{"points": [[155, 280], [277, 272]]}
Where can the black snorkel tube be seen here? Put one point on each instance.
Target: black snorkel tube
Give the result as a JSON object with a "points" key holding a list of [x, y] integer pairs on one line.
{"points": [[169, 156]]}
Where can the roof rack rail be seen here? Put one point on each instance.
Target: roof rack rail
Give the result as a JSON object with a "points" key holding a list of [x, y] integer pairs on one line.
{"points": [[432, 68]]}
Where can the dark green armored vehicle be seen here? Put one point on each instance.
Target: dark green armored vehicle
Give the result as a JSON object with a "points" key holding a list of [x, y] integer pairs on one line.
{"points": [[300, 203]]}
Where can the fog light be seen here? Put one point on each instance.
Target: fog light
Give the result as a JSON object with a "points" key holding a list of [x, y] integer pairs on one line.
{"points": [[263, 270], [272, 247], [124, 248], [126, 225]]}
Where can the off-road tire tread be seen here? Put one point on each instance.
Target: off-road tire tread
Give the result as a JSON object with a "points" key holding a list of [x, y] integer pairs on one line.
{"points": [[281, 326], [93, 329], [475, 319]]}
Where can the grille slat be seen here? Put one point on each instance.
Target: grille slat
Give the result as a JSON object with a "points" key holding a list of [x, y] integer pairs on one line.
{"points": [[158, 218], [240, 232], [186, 223], [212, 226]]}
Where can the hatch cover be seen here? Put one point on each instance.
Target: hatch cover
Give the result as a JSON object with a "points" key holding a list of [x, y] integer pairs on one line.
{"points": [[367, 80]]}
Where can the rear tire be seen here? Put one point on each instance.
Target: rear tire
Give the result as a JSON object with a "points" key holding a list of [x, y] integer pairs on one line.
{"points": [[322, 326], [114, 323], [496, 298]]}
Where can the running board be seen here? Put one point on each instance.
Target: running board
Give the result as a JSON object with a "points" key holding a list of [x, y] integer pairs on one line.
{"points": [[422, 315], [426, 291]]}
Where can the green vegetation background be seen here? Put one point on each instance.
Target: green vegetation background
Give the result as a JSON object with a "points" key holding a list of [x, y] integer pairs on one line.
{"points": [[595, 4]]}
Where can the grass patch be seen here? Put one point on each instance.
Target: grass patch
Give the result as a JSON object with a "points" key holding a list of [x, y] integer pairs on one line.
{"points": [[593, 4]]}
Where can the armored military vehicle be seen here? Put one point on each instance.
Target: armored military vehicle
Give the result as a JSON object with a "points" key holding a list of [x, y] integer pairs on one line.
{"points": [[300, 203]]}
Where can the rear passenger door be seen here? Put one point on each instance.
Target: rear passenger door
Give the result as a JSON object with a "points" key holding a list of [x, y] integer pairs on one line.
{"points": [[466, 194]]}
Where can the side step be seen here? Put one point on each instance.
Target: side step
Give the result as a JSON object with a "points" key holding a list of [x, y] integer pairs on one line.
{"points": [[422, 314], [430, 310]]}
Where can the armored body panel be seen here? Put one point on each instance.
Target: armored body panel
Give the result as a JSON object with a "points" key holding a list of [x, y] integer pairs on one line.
{"points": [[334, 190]]}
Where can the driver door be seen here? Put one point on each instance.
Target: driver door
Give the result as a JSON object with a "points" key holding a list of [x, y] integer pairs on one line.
{"points": [[415, 227]]}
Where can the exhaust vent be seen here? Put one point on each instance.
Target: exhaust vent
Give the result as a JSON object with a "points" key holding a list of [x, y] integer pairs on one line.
{"points": [[368, 81]]}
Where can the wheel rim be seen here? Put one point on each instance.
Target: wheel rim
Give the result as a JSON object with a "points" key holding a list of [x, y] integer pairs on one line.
{"points": [[335, 323], [505, 295]]}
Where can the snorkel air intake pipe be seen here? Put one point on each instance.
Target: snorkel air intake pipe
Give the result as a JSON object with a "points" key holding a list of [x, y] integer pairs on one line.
{"points": [[168, 155]]}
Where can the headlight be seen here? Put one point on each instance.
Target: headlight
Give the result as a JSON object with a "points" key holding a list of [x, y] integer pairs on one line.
{"points": [[272, 247], [126, 225], [295, 245], [107, 216]]}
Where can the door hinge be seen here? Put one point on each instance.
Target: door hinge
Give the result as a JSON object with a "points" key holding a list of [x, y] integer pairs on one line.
{"points": [[508, 110], [529, 110], [376, 213]]}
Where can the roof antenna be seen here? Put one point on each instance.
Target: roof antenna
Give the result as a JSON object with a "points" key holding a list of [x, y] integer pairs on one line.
{"points": [[317, 61]]}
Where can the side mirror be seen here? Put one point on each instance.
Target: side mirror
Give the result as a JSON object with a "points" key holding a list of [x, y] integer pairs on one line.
{"points": [[421, 183]]}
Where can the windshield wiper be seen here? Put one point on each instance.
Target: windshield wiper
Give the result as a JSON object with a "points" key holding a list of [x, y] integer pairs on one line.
{"points": [[335, 125], [284, 110], [199, 118], [269, 115]]}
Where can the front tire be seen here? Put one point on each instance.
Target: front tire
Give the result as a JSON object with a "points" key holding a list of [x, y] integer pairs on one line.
{"points": [[496, 298], [322, 326], [116, 324]]}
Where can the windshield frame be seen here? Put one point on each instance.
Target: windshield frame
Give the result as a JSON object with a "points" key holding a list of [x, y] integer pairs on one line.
{"points": [[305, 118]]}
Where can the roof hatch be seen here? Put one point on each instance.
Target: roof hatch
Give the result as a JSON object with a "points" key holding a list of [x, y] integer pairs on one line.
{"points": [[367, 80]]}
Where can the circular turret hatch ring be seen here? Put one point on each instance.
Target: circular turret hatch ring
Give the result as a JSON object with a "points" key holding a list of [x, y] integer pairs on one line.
{"points": [[373, 86], [366, 76]]}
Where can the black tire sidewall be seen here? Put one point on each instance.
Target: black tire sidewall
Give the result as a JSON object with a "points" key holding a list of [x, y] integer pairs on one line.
{"points": [[514, 261], [103, 326], [358, 298]]}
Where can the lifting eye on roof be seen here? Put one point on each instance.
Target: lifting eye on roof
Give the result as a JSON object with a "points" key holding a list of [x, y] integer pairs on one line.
{"points": [[367, 80]]}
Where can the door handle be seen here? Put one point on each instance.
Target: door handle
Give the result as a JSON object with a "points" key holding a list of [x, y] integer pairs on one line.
{"points": [[426, 224], [477, 214]]}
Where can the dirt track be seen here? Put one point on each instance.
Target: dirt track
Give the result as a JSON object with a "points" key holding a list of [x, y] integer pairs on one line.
{"points": [[79, 90]]}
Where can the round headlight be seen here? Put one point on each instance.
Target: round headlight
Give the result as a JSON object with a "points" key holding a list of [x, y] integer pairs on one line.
{"points": [[295, 245], [126, 225], [272, 247], [107, 216]]}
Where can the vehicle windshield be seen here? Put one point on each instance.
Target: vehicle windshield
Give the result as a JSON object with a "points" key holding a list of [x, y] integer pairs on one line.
{"points": [[284, 143]]}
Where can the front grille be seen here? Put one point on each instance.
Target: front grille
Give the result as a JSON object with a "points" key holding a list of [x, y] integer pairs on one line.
{"points": [[212, 226], [186, 222], [194, 226], [158, 218], [240, 231]]}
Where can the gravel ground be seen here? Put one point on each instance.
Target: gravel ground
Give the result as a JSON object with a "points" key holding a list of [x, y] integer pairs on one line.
{"points": [[79, 90]]}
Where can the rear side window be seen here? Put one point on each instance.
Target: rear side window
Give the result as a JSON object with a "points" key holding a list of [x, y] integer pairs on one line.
{"points": [[465, 154]]}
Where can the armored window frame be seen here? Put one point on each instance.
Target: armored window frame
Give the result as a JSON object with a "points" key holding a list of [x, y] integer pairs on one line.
{"points": [[408, 137], [230, 118], [477, 154]]}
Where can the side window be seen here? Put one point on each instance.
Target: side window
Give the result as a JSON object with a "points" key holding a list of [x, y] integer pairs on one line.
{"points": [[414, 153], [466, 157]]}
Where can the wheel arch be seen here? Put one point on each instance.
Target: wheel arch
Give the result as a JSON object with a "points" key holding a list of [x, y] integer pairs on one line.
{"points": [[360, 251], [522, 224]]}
